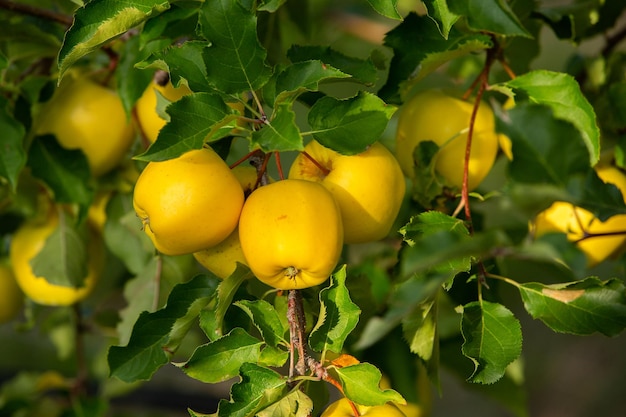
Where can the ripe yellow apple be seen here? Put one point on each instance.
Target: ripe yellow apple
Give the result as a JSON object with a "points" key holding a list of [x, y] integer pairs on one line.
{"points": [[577, 222], [12, 298], [188, 203], [435, 116], [97, 210], [28, 241], [291, 233], [369, 187], [146, 107], [88, 116], [342, 408], [222, 258]]}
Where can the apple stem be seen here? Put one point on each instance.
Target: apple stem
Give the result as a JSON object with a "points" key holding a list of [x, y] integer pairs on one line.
{"points": [[279, 166], [297, 324], [322, 168]]}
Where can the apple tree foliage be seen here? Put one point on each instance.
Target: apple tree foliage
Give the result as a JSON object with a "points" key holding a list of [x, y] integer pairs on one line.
{"points": [[438, 280]]}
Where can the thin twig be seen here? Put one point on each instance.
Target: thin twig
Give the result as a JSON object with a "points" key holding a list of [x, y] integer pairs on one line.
{"points": [[37, 12]]}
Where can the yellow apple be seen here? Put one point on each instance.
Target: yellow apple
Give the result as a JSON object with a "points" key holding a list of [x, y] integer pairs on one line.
{"points": [[369, 187], [291, 234], [188, 203]]}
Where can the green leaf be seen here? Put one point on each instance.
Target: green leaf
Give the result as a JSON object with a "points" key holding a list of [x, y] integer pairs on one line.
{"points": [[294, 404], [221, 359], [156, 336], [387, 8], [562, 94], [338, 316], [13, 156], [99, 21], [415, 40], [546, 150], [225, 293], [300, 77], [361, 70], [131, 81], [63, 170], [494, 16], [581, 308], [266, 319], [235, 59], [350, 125], [140, 293], [360, 384], [493, 339], [439, 11], [280, 134], [185, 60], [63, 259], [195, 119], [420, 330], [258, 388], [124, 236]]}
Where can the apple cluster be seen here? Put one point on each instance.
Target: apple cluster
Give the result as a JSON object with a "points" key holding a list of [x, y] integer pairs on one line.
{"points": [[289, 232]]}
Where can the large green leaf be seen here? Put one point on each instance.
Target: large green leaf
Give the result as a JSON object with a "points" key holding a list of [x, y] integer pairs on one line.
{"points": [[99, 21], [350, 125], [300, 77], [156, 336], [258, 388], [562, 94], [387, 8], [581, 308], [266, 319], [63, 259], [493, 339], [418, 39], [235, 59], [439, 11], [194, 120], [63, 170], [361, 384], [13, 156], [221, 359], [338, 316], [546, 150], [294, 404], [184, 61], [494, 16], [361, 70], [280, 133]]}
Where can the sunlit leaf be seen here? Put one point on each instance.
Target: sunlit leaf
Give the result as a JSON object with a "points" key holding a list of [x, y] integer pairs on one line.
{"points": [[387, 8], [350, 125], [439, 11], [281, 133], [493, 339], [235, 59], [100, 21], [63, 259], [562, 94], [266, 319], [360, 384], [221, 359], [258, 388], [581, 308], [156, 336], [338, 316], [362, 70], [194, 120], [294, 404]]}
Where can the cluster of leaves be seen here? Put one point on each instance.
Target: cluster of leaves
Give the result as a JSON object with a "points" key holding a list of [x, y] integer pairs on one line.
{"points": [[442, 287]]}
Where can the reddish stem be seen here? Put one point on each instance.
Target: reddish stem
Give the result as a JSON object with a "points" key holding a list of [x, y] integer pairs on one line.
{"points": [[279, 166], [242, 159], [322, 168]]}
